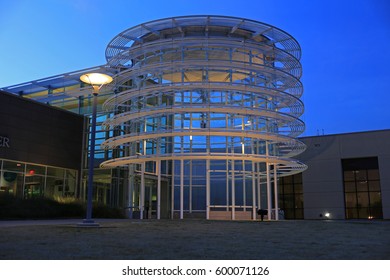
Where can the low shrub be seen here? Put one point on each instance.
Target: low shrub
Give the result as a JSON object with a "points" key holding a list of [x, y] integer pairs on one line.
{"points": [[46, 208]]}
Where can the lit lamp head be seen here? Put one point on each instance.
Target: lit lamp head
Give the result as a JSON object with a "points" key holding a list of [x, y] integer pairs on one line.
{"points": [[97, 80]]}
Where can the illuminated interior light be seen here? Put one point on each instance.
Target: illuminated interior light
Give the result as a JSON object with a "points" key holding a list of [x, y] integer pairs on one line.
{"points": [[327, 214]]}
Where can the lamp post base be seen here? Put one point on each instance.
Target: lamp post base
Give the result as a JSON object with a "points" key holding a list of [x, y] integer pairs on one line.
{"points": [[88, 223]]}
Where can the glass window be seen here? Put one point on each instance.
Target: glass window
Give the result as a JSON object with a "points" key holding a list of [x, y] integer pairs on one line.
{"points": [[374, 186], [55, 172], [289, 201], [26, 181], [299, 201], [373, 174], [287, 180], [363, 213], [351, 213], [34, 186], [361, 175], [12, 183], [297, 178], [376, 213], [13, 166], [362, 188], [350, 200], [35, 169], [288, 189], [298, 188], [375, 199], [362, 199], [349, 187], [291, 196], [349, 175]]}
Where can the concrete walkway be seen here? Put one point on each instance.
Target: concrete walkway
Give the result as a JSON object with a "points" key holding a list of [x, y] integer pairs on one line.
{"points": [[194, 239]]}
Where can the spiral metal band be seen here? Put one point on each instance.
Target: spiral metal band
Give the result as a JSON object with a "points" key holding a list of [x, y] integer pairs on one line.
{"points": [[206, 88]]}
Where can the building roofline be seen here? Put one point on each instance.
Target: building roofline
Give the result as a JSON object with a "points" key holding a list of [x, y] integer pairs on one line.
{"points": [[54, 82], [346, 133], [37, 103]]}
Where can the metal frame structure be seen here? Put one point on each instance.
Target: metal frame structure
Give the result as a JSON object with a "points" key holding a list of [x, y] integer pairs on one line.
{"points": [[202, 117], [213, 104]]}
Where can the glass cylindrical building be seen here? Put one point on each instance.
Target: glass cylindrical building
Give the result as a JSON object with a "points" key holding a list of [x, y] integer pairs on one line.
{"points": [[206, 115]]}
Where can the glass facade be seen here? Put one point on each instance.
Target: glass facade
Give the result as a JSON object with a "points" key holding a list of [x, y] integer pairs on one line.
{"points": [[362, 188], [291, 196], [202, 116], [25, 180], [211, 103]]}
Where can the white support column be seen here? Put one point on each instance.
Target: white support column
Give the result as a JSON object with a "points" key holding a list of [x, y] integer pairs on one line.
{"points": [[233, 193], [190, 176], [253, 151], [181, 189], [258, 185], [258, 178], [253, 192], [208, 145], [269, 208], [142, 198], [130, 189], [207, 189], [227, 185], [243, 165], [227, 151], [268, 191], [173, 190], [190, 189], [276, 193], [158, 170], [143, 165]]}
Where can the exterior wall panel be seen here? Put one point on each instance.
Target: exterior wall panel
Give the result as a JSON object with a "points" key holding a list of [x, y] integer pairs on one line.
{"points": [[40, 134], [323, 180]]}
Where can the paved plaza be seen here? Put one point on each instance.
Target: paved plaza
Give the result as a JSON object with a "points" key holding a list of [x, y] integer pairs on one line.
{"points": [[195, 239]]}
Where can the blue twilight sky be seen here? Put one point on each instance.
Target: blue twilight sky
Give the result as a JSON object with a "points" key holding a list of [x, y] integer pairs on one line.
{"points": [[345, 46]]}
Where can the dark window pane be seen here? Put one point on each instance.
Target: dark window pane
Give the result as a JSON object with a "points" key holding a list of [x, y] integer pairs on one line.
{"points": [[373, 174], [363, 213], [375, 199], [362, 186], [298, 178], [281, 201], [288, 180], [374, 186], [13, 166], [349, 176], [376, 213], [350, 200], [360, 163], [349, 187], [299, 201], [351, 213], [288, 189], [361, 175], [289, 201], [362, 198], [298, 188], [289, 214], [55, 172]]}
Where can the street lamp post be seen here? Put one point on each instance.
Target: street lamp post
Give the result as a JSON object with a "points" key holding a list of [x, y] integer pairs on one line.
{"points": [[97, 80]]}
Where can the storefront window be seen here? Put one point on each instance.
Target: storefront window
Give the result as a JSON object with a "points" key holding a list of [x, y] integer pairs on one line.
{"points": [[25, 180]]}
